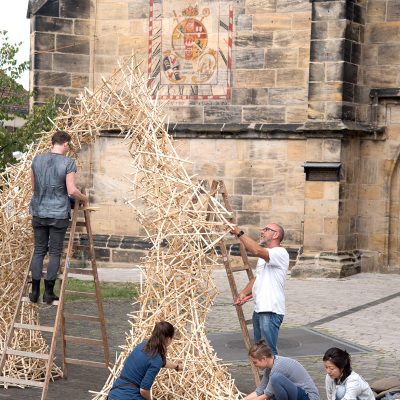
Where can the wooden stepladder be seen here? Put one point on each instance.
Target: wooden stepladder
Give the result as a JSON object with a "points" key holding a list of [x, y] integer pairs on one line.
{"points": [[66, 316], [61, 318], [218, 189]]}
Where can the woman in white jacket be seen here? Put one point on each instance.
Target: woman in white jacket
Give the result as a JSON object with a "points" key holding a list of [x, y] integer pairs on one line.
{"points": [[341, 382]]}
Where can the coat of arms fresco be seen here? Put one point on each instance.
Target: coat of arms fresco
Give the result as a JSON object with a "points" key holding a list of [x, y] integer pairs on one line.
{"points": [[190, 49]]}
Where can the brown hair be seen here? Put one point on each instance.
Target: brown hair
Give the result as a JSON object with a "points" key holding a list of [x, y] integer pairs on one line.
{"points": [[60, 137], [260, 350], [157, 343]]}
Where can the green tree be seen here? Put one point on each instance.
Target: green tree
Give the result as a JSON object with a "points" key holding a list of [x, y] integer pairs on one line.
{"points": [[39, 120], [11, 93], [12, 97]]}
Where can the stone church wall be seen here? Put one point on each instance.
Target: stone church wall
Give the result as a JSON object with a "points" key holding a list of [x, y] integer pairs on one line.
{"points": [[79, 42], [378, 223], [61, 43], [264, 179], [314, 81]]}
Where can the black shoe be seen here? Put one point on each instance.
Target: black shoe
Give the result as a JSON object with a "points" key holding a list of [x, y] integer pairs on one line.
{"points": [[34, 296], [49, 296]]}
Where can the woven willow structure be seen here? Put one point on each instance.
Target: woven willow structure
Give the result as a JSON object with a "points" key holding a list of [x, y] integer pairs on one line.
{"points": [[181, 218]]}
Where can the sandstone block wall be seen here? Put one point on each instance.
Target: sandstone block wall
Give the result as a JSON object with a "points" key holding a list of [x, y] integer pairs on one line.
{"points": [[301, 80], [105, 169], [112, 250], [377, 212], [265, 181], [61, 47], [348, 195], [321, 205], [78, 42], [336, 90], [381, 57]]}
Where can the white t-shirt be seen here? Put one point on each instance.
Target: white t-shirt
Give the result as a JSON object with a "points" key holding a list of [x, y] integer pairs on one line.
{"points": [[269, 286]]}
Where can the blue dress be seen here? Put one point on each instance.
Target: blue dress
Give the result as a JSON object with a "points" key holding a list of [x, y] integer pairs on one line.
{"points": [[140, 369]]}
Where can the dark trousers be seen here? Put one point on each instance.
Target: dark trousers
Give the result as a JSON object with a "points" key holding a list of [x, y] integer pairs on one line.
{"points": [[49, 234]]}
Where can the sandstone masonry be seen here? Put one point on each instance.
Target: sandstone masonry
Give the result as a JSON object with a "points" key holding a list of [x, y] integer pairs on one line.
{"points": [[314, 82]]}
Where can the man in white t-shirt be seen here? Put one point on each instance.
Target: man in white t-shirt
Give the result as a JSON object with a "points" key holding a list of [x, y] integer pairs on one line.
{"points": [[268, 286]]}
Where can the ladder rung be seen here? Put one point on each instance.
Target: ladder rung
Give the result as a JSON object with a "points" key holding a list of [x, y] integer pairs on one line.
{"points": [[248, 321], [81, 247], [81, 317], [88, 363], [80, 271], [240, 268], [80, 223], [83, 294], [77, 339], [34, 327], [28, 354], [23, 382], [90, 208], [26, 300], [228, 240]]}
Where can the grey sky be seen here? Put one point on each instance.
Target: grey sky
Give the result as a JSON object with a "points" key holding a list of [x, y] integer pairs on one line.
{"points": [[13, 19]]}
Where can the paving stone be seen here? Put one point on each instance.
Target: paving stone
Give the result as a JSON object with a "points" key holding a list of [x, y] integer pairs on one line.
{"points": [[361, 310]]}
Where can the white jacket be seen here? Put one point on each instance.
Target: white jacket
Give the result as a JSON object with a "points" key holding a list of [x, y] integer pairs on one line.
{"points": [[355, 385]]}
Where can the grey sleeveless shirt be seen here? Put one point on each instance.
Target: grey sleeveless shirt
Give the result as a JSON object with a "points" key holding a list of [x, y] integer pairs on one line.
{"points": [[50, 197]]}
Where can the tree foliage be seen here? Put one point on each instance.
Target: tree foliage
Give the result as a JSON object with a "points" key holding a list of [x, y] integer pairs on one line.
{"points": [[12, 94], [36, 122], [12, 97]]}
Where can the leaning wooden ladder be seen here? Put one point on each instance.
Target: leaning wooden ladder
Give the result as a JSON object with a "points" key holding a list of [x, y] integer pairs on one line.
{"points": [[61, 315], [218, 188]]}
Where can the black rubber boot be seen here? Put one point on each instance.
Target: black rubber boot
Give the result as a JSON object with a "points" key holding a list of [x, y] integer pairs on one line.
{"points": [[34, 296], [49, 296]]}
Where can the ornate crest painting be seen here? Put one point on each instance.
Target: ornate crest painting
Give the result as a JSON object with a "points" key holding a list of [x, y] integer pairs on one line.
{"points": [[190, 49]]}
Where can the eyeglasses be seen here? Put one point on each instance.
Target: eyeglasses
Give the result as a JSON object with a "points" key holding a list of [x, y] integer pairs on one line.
{"points": [[267, 228]]}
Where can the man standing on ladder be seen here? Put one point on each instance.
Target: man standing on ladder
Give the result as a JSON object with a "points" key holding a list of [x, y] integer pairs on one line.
{"points": [[53, 180], [267, 287]]}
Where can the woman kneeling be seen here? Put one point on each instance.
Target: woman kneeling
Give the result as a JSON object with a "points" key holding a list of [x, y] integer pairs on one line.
{"points": [[283, 379], [341, 382], [143, 364]]}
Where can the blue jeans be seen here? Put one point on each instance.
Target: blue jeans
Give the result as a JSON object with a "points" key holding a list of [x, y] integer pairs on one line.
{"points": [[49, 234], [266, 326], [285, 389]]}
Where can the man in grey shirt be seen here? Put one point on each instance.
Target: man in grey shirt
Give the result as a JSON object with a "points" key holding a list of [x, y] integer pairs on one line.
{"points": [[53, 180]]}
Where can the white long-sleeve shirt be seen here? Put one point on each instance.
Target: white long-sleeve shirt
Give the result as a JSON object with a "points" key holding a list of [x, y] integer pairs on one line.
{"points": [[356, 388]]}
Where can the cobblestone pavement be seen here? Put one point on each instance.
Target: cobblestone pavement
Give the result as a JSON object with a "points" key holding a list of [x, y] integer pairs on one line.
{"points": [[362, 309]]}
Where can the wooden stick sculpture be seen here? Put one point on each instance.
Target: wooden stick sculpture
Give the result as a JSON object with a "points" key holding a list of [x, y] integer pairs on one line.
{"points": [[181, 219], [15, 251]]}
